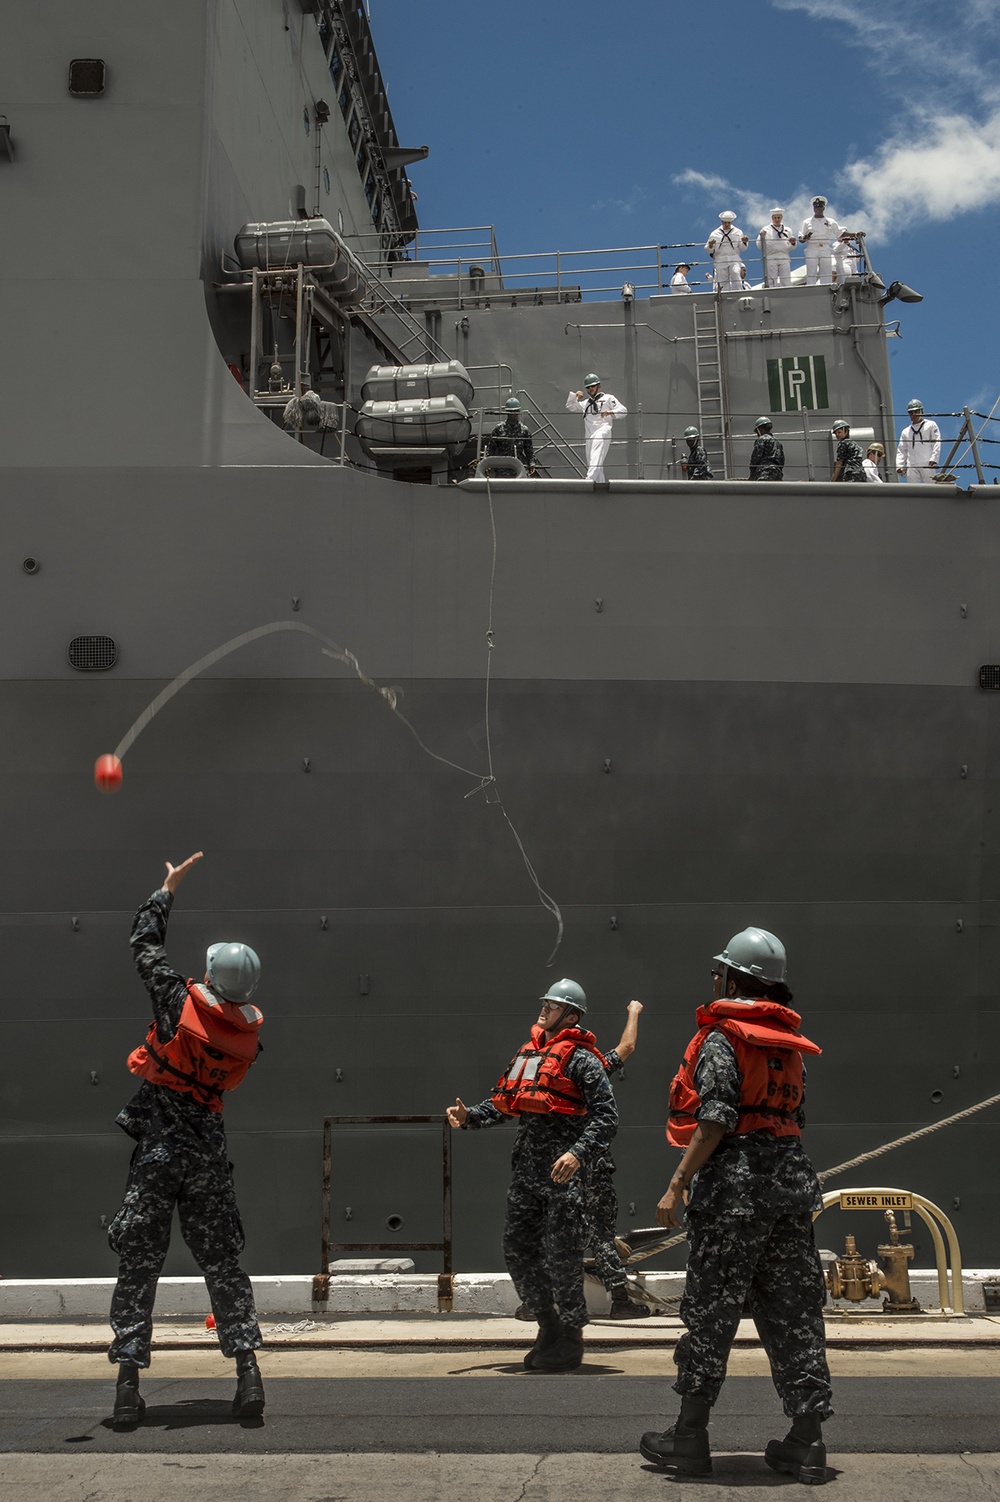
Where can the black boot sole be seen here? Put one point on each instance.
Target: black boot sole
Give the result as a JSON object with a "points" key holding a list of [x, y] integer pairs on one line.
{"points": [[682, 1465], [809, 1475], [249, 1408], [249, 1404], [556, 1367], [127, 1417]]}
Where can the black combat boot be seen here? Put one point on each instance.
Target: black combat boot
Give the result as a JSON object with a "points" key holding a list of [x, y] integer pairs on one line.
{"points": [[129, 1406], [623, 1307], [683, 1448], [801, 1453], [564, 1354], [249, 1400], [548, 1334]]}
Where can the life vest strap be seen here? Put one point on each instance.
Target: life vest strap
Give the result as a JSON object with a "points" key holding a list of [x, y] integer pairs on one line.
{"points": [[778, 1111], [189, 1079]]}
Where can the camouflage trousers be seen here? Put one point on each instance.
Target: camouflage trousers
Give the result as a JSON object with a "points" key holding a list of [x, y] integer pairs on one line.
{"points": [[544, 1238], [165, 1173], [601, 1204], [768, 1263]]}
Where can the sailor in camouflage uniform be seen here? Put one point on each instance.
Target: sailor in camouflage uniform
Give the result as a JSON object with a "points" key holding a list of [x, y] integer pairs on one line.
{"points": [[736, 1106], [557, 1085], [511, 439], [767, 461], [850, 463], [602, 1202], [696, 465], [201, 1042]]}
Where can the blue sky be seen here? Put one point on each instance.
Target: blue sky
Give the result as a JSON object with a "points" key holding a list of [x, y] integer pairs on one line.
{"points": [[593, 124]]}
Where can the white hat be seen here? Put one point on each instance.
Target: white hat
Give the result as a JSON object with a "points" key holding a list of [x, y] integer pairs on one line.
{"points": [[728, 217], [776, 211], [819, 199]]}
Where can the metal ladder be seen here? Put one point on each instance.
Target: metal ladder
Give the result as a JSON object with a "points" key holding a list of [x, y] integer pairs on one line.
{"points": [[554, 439], [375, 298], [708, 368]]}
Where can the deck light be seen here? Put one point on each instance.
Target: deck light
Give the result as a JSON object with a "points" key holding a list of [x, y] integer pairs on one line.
{"points": [[903, 292]]}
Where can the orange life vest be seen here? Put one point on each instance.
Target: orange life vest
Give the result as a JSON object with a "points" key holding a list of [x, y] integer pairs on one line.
{"points": [[536, 1081], [215, 1043], [768, 1048]]}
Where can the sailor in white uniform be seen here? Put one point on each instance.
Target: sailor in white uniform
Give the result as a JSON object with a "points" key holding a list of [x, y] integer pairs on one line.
{"points": [[818, 236], [873, 458], [845, 255], [726, 246], [599, 410], [679, 282], [919, 447], [776, 242]]}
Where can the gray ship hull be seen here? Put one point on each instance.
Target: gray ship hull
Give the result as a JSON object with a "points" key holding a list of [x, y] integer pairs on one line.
{"points": [[783, 684]]}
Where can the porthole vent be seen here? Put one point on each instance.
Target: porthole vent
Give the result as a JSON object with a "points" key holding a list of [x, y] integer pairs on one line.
{"points": [[989, 676], [93, 654]]}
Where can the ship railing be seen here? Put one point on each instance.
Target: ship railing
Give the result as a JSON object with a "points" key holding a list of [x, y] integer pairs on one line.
{"points": [[655, 448], [470, 245], [478, 271], [805, 435]]}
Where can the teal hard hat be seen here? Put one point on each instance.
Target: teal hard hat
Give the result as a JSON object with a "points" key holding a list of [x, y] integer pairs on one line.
{"points": [[512, 404], [755, 952], [763, 422], [233, 971], [569, 993], [592, 380], [691, 433], [914, 406], [840, 423]]}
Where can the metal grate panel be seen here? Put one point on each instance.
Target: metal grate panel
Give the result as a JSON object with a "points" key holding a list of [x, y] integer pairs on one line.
{"points": [[93, 654], [989, 676]]}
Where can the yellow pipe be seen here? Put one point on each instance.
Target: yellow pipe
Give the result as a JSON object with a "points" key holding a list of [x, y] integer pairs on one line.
{"points": [[957, 1291], [927, 1210]]}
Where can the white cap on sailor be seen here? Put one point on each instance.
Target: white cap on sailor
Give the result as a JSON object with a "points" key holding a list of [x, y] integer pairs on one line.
{"points": [[728, 217]]}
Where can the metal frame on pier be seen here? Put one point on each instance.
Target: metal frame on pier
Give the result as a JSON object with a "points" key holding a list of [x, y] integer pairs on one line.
{"points": [[321, 1283]]}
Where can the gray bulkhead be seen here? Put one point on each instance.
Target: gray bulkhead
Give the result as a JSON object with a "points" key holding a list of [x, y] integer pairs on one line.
{"points": [[782, 679]]}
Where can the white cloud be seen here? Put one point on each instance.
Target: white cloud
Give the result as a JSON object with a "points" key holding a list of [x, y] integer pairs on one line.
{"points": [[941, 51], [941, 166], [636, 198], [753, 208], [938, 163]]}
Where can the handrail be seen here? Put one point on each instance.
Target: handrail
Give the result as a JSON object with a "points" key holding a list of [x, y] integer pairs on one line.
{"points": [[444, 256]]}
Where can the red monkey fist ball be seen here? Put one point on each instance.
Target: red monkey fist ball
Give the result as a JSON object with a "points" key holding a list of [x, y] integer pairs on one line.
{"points": [[108, 774], [210, 1322]]}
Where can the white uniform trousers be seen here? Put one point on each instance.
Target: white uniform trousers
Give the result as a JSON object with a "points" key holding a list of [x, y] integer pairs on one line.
{"points": [[727, 274], [819, 264], [778, 270], [919, 474], [598, 444]]}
